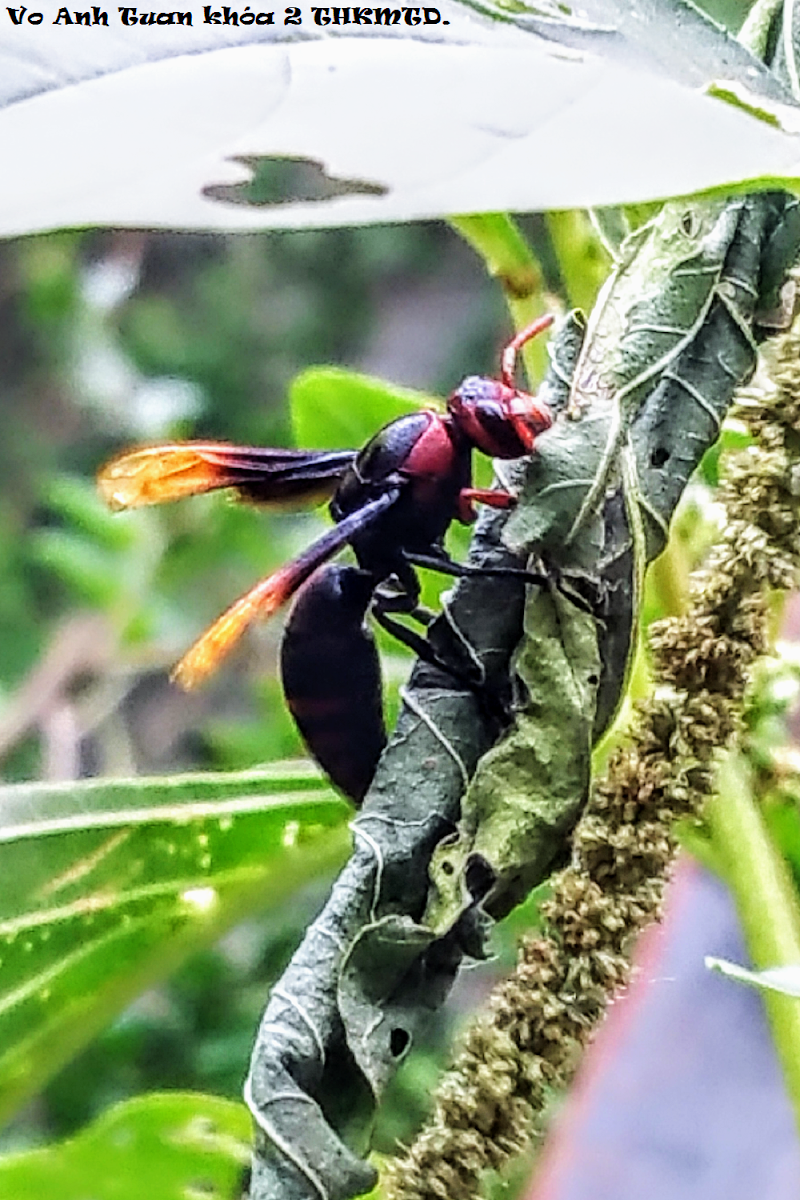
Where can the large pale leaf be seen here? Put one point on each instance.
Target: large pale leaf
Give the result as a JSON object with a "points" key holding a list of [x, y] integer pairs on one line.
{"points": [[155, 126], [106, 884], [160, 1146]]}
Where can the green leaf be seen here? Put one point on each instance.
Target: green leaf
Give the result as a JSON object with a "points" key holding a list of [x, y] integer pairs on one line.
{"points": [[77, 501], [528, 790], [161, 1146], [88, 569], [333, 408], [107, 884]]}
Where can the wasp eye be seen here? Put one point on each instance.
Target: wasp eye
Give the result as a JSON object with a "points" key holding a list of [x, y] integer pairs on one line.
{"points": [[471, 394]]}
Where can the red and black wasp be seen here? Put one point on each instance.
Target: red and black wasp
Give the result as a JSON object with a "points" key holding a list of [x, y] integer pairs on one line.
{"points": [[392, 502]]}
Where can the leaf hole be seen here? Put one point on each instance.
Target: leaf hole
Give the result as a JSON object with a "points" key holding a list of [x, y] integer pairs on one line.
{"points": [[399, 1041], [283, 179], [689, 223], [479, 876], [202, 1189], [447, 866], [659, 457]]}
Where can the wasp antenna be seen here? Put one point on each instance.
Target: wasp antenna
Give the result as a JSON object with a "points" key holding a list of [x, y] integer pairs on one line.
{"points": [[508, 362]]}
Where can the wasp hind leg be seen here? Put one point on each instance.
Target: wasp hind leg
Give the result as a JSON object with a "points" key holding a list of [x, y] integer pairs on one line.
{"points": [[469, 673], [442, 562]]}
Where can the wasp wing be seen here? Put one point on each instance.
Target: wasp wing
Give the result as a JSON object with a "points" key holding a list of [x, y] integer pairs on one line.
{"points": [[155, 474], [271, 593]]}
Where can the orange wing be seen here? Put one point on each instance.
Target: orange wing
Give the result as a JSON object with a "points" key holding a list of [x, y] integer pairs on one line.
{"points": [[219, 639], [155, 474], [271, 593]]}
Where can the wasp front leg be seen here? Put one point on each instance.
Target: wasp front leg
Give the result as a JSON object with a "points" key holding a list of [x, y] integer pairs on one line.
{"points": [[492, 497]]}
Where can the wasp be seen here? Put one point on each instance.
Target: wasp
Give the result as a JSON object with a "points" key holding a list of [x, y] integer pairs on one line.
{"points": [[392, 502]]}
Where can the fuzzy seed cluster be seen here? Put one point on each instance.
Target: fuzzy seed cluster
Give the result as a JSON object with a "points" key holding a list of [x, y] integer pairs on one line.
{"points": [[527, 1043]]}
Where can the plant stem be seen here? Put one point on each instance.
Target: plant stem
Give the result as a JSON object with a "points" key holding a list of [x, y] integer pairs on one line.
{"points": [[508, 258], [765, 900], [582, 257], [667, 592]]}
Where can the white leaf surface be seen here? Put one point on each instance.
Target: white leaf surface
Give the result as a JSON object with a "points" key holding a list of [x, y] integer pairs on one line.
{"points": [[129, 126], [774, 979]]}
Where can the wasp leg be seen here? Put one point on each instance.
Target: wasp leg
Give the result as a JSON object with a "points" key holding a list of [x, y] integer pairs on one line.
{"points": [[448, 566], [398, 591], [424, 615], [410, 638], [471, 677], [492, 497]]}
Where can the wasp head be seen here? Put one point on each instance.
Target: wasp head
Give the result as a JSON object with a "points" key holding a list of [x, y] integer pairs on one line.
{"points": [[502, 421]]}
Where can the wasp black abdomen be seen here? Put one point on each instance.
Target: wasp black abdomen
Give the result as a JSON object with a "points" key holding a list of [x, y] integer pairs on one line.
{"points": [[332, 678]]}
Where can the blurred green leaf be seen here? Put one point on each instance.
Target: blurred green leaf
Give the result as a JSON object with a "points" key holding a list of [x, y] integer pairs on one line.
{"points": [[107, 884], [238, 742], [333, 408], [48, 268], [80, 563], [783, 821], [77, 500], [161, 1146], [734, 436]]}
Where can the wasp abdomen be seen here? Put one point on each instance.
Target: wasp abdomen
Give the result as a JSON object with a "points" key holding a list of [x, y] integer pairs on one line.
{"points": [[332, 678]]}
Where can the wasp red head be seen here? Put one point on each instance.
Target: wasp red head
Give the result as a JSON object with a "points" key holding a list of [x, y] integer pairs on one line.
{"points": [[498, 417]]}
